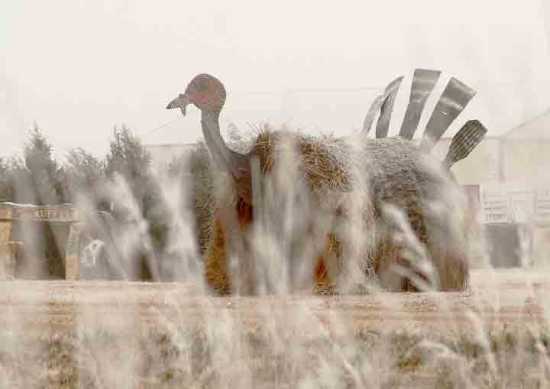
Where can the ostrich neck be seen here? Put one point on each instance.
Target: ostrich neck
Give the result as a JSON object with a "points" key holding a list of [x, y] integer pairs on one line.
{"points": [[224, 157]]}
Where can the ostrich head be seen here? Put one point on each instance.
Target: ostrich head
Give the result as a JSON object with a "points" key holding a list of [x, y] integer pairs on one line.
{"points": [[206, 92]]}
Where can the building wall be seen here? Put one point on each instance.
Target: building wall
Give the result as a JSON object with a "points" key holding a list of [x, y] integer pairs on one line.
{"points": [[481, 166], [526, 160], [502, 160]]}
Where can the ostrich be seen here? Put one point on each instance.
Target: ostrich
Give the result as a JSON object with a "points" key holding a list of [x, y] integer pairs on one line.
{"points": [[405, 207]]}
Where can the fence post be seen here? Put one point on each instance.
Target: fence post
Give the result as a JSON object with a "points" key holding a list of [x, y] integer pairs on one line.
{"points": [[7, 250], [72, 252]]}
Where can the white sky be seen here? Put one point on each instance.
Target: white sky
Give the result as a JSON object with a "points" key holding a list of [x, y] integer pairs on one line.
{"points": [[77, 68]]}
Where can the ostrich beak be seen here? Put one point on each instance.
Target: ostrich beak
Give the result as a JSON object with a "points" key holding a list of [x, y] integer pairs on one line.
{"points": [[181, 102]]}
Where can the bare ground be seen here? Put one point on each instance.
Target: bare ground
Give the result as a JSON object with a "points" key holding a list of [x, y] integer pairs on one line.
{"points": [[118, 334]]}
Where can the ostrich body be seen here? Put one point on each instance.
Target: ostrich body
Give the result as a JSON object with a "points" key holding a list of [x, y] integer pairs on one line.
{"points": [[347, 182]]}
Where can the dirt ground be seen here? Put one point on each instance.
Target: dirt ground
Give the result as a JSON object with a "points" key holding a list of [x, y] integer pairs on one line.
{"points": [[116, 334], [504, 295]]}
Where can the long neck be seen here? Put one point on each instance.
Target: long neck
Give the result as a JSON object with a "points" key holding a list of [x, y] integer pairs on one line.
{"points": [[226, 158], [212, 135]]}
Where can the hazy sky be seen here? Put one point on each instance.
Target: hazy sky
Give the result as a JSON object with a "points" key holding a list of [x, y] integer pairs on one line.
{"points": [[78, 68]]}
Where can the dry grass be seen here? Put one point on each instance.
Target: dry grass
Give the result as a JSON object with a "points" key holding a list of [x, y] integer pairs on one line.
{"points": [[99, 335]]}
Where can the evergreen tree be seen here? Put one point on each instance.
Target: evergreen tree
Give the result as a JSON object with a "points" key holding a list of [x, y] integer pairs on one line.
{"points": [[127, 156], [46, 177], [85, 174]]}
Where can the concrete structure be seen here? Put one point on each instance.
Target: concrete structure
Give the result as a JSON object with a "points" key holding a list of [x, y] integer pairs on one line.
{"points": [[59, 214]]}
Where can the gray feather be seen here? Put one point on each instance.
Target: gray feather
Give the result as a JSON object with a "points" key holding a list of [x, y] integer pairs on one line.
{"points": [[424, 81]]}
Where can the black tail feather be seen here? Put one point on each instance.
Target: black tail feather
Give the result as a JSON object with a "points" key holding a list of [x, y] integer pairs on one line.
{"points": [[464, 141], [424, 81], [383, 124], [452, 102]]}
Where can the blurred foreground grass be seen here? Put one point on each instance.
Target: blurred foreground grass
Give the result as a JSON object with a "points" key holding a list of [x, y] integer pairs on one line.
{"points": [[143, 335]]}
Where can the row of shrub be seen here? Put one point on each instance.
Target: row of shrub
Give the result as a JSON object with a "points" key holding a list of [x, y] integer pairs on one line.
{"points": [[37, 177]]}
